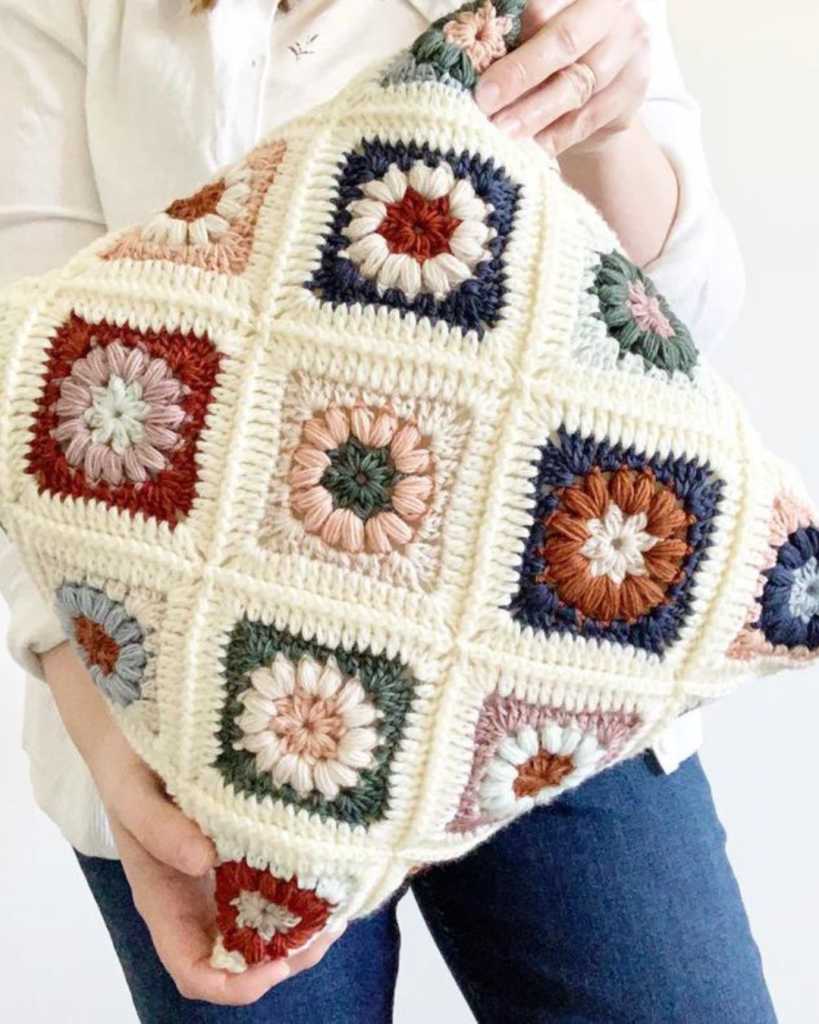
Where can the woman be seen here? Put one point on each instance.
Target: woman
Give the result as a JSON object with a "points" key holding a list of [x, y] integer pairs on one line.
{"points": [[619, 903]]}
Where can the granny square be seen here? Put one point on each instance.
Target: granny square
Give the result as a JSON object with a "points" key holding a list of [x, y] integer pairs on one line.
{"points": [[120, 415], [419, 230], [353, 703], [616, 539], [214, 228], [527, 754]]}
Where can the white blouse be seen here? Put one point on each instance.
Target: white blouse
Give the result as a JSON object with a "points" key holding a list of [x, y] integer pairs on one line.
{"points": [[110, 109]]}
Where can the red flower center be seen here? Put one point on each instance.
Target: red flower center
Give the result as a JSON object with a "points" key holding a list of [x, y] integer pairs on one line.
{"points": [[193, 207], [421, 228], [100, 649], [540, 771], [296, 914]]}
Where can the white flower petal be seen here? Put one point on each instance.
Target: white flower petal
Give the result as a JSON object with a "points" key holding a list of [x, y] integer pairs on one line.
{"points": [[268, 755], [330, 679], [253, 722], [267, 683], [361, 227], [456, 270], [431, 182], [308, 675], [325, 780], [551, 736], [368, 254], [571, 738], [369, 209], [588, 751], [501, 771], [284, 672], [389, 189], [464, 204], [510, 750], [468, 242], [528, 740], [400, 271], [259, 704]]}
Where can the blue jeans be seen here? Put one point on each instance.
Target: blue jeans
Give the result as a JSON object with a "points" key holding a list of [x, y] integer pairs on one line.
{"points": [[615, 904]]}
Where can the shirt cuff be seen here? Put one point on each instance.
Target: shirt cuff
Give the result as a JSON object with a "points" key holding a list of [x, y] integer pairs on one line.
{"points": [[679, 740], [34, 630], [700, 271]]}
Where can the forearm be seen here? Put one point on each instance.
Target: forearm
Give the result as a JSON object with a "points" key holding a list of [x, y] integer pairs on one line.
{"points": [[628, 178], [82, 708]]}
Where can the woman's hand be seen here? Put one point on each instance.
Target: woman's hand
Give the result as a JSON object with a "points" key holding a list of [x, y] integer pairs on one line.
{"points": [[165, 856], [544, 88]]}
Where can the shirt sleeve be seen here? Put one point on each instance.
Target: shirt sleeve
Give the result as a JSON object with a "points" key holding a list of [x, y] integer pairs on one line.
{"points": [[49, 210], [700, 270]]}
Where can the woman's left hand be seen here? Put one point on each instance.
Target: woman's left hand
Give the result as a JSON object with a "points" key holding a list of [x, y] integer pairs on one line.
{"points": [[543, 91]]}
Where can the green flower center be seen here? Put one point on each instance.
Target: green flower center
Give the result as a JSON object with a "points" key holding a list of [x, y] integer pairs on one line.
{"points": [[360, 478]]}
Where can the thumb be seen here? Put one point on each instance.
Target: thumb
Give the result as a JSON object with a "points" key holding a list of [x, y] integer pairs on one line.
{"points": [[145, 810]]}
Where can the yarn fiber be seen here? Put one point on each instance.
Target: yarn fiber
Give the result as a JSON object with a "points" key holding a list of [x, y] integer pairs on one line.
{"points": [[383, 497]]}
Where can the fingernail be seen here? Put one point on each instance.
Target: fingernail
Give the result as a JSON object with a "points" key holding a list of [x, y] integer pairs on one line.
{"points": [[510, 125], [487, 95]]}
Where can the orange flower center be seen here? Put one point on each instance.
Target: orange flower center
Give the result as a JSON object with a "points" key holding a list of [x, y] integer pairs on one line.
{"points": [[418, 227], [193, 207], [101, 650], [540, 771]]}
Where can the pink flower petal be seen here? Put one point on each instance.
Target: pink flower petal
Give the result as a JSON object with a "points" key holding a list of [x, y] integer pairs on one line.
{"points": [[406, 499], [314, 504], [405, 440], [416, 461], [382, 431], [311, 458], [305, 477], [318, 433], [343, 529], [386, 531], [338, 424], [362, 421]]}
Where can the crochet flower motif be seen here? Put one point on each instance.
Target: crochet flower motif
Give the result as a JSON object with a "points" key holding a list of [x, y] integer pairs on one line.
{"points": [[532, 766], [109, 640], [640, 318], [419, 231], [118, 414], [790, 601], [263, 917], [479, 34], [614, 545], [784, 618], [616, 542], [527, 753], [360, 479], [308, 725], [212, 229], [311, 727], [205, 216]]}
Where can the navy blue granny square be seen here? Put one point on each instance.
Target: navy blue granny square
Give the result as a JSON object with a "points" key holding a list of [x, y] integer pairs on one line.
{"points": [[616, 542], [420, 231]]}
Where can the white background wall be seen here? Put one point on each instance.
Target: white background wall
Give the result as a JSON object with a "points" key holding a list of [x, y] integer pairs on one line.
{"points": [[753, 67]]}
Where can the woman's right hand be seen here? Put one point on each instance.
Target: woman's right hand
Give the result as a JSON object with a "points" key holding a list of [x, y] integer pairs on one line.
{"points": [[167, 859]]}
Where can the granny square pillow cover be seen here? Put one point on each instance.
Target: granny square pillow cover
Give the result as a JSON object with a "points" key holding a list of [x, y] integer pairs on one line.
{"points": [[384, 497]]}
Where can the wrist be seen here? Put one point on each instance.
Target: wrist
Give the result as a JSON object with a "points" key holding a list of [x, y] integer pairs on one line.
{"points": [[610, 144]]}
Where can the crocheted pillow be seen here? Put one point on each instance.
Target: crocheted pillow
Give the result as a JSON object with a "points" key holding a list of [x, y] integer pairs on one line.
{"points": [[384, 497]]}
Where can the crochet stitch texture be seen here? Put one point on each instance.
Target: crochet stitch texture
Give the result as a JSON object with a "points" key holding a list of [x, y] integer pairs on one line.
{"points": [[383, 497]]}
